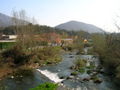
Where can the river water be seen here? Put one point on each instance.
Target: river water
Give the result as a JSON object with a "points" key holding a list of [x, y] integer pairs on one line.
{"points": [[53, 73]]}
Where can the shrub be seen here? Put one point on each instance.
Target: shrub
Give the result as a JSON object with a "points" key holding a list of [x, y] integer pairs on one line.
{"points": [[87, 45], [107, 46], [91, 51], [23, 72], [81, 70], [68, 48], [80, 64], [15, 55], [46, 55], [44, 43], [74, 73]]}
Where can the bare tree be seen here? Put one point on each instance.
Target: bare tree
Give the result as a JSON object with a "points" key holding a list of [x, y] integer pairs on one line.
{"points": [[24, 29]]}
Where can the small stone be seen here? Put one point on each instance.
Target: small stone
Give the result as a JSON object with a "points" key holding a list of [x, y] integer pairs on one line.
{"points": [[74, 73], [21, 76], [95, 73], [101, 71], [86, 79], [62, 83], [70, 77], [77, 78], [70, 53], [12, 77], [62, 77], [98, 81], [59, 70], [91, 80], [72, 67], [71, 56]]}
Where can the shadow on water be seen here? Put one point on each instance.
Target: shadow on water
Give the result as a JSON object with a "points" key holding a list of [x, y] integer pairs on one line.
{"points": [[23, 82]]}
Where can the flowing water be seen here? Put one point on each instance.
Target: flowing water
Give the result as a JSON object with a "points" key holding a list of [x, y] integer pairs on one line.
{"points": [[53, 73]]}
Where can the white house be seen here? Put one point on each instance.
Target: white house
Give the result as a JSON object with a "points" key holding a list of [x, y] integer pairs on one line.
{"points": [[12, 36]]}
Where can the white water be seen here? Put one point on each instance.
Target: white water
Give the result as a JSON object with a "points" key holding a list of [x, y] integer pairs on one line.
{"points": [[52, 76]]}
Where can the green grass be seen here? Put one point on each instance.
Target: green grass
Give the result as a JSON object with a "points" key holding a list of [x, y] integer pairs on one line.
{"points": [[74, 73], [81, 70], [46, 86], [90, 67], [6, 45]]}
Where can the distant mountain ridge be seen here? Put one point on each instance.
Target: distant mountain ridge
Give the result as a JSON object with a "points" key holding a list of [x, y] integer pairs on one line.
{"points": [[71, 25], [80, 26], [5, 20]]}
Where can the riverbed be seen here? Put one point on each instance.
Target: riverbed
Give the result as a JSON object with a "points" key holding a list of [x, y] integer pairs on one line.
{"points": [[59, 73]]}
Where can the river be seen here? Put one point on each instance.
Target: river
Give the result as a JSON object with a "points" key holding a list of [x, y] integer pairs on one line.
{"points": [[59, 73]]}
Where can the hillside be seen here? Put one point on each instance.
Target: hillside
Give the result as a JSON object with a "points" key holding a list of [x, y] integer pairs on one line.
{"points": [[5, 20], [79, 26]]}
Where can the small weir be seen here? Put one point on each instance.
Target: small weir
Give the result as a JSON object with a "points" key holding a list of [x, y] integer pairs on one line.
{"points": [[52, 76]]}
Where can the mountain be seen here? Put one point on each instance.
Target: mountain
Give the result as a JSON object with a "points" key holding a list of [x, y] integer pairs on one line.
{"points": [[79, 26], [5, 20]]}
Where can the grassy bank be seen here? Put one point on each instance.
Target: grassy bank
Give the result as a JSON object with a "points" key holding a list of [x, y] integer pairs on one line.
{"points": [[16, 57]]}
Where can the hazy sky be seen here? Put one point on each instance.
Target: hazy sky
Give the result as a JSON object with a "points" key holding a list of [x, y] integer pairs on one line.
{"points": [[101, 13]]}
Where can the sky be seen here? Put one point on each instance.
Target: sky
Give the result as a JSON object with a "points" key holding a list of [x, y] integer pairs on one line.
{"points": [[102, 13]]}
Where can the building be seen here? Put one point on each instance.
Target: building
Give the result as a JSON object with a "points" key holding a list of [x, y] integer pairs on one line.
{"points": [[85, 41], [8, 37], [12, 37]]}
